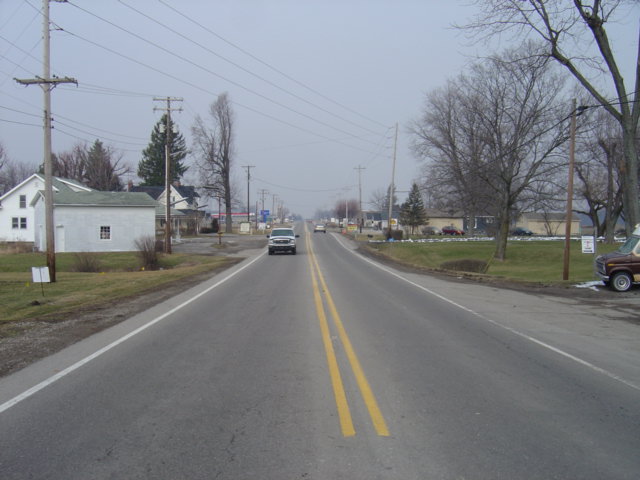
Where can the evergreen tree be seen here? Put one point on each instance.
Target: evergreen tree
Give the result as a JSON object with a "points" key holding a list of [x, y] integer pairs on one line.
{"points": [[151, 168], [412, 212]]}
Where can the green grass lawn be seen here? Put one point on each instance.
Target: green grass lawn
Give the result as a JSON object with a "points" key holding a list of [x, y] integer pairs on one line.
{"points": [[532, 261], [120, 277]]}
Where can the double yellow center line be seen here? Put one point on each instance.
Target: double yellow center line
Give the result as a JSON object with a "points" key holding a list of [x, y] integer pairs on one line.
{"points": [[344, 413]]}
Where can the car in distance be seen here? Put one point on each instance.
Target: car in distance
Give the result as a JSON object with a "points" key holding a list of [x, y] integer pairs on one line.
{"points": [[621, 269], [431, 230], [451, 230], [320, 227], [521, 232], [282, 240]]}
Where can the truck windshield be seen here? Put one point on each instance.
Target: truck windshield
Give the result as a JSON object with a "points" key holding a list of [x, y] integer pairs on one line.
{"points": [[629, 245], [282, 233]]}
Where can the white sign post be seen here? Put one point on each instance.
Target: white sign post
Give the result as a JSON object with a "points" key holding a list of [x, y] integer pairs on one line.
{"points": [[588, 245], [40, 275]]}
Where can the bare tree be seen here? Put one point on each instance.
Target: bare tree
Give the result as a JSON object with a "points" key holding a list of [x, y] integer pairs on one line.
{"points": [[104, 167], [346, 207], [598, 173], [214, 147], [71, 164], [499, 143], [450, 133], [12, 172], [378, 199], [563, 26]]}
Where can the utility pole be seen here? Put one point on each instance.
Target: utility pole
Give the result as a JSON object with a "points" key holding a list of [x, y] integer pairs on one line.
{"points": [[392, 186], [248, 167], [360, 219], [47, 84], [167, 166], [273, 208], [567, 234], [262, 192]]}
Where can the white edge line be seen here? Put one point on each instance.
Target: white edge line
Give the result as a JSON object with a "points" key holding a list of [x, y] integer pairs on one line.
{"points": [[45, 383], [497, 324]]}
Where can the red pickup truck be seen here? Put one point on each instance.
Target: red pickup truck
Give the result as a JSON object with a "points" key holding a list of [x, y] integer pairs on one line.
{"points": [[621, 269]]}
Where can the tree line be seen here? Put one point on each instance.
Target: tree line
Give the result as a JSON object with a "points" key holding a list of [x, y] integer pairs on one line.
{"points": [[493, 140]]}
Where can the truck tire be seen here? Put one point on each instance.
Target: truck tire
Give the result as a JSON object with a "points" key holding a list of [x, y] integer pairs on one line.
{"points": [[293, 251], [621, 281]]}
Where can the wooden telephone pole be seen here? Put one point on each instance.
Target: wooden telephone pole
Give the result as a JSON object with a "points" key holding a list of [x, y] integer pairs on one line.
{"points": [[167, 166], [47, 84], [248, 167], [360, 217]]}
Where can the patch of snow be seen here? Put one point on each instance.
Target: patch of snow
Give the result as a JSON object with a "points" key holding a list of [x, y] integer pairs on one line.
{"points": [[590, 285]]}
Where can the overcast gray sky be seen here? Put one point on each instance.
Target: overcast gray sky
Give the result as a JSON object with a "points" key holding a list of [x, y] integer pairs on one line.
{"points": [[317, 86]]}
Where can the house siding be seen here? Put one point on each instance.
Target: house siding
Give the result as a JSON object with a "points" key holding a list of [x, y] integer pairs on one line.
{"points": [[77, 229], [11, 209]]}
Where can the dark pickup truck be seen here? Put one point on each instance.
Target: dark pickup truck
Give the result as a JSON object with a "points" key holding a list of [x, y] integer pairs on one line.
{"points": [[621, 269]]}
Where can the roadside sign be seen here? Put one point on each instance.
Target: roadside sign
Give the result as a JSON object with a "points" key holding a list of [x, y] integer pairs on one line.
{"points": [[588, 245], [40, 275]]}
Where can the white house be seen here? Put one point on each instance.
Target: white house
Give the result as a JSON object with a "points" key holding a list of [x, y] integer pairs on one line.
{"points": [[96, 221], [185, 211], [17, 213]]}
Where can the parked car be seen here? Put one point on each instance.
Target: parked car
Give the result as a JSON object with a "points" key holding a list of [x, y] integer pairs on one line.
{"points": [[320, 228], [621, 269], [282, 240], [451, 230], [431, 230], [520, 231]]}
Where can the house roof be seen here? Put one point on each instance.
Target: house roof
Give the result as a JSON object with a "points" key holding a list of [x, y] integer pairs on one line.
{"points": [[57, 183], [152, 191], [96, 198], [187, 192]]}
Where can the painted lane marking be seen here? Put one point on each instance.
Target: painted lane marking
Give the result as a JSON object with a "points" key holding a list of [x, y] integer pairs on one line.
{"points": [[534, 340], [344, 414], [363, 384], [45, 383]]}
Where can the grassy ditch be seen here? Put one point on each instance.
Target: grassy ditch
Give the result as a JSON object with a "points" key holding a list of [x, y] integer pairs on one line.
{"points": [[119, 277], [530, 261]]}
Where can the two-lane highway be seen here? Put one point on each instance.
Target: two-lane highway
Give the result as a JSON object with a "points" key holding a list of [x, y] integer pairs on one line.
{"points": [[322, 365]]}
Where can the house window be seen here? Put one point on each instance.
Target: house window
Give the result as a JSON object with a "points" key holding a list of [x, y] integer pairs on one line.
{"points": [[23, 201], [105, 232], [19, 223]]}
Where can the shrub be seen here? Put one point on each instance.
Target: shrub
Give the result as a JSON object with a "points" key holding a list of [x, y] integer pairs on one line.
{"points": [[86, 262], [466, 265], [148, 252]]}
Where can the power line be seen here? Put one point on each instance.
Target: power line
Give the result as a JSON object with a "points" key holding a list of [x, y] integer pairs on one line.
{"points": [[211, 72], [197, 87], [21, 123], [190, 39], [308, 190], [288, 77], [84, 125]]}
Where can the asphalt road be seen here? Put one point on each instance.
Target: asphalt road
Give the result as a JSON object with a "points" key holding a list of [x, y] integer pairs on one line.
{"points": [[325, 365]]}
